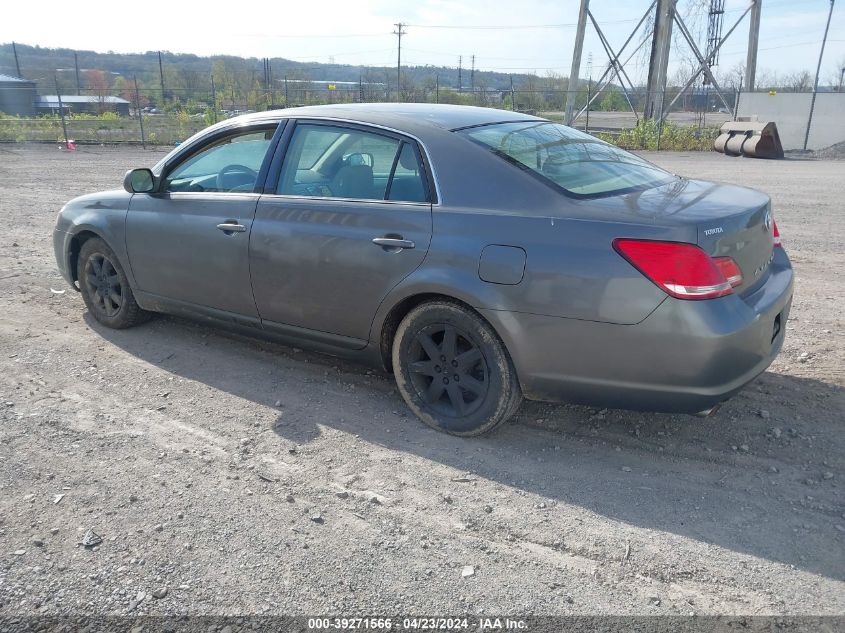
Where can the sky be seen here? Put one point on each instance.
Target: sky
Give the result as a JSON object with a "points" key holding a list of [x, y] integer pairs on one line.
{"points": [[508, 36]]}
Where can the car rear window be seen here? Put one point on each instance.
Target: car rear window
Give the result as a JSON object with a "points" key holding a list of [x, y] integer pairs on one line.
{"points": [[578, 163]]}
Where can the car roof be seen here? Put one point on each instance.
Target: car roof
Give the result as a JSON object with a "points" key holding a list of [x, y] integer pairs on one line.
{"points": [[399, 115]]}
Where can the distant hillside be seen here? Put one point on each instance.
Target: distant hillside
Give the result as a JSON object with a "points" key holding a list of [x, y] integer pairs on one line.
{"points": [[185, 72]]}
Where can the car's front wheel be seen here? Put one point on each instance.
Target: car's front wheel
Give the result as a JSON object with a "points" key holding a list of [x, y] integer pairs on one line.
{"points": [[105, 288], [453, 371]]}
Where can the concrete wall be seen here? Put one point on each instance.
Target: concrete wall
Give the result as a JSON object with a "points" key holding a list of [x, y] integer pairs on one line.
{"points": [[790, 110]]}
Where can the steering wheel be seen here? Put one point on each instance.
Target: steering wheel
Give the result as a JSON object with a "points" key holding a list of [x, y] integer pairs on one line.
{"points": [[234, 169]]}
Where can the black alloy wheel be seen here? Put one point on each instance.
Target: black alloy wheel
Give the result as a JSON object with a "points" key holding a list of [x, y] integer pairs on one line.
{"points": [[453, 370], [105, 287]]}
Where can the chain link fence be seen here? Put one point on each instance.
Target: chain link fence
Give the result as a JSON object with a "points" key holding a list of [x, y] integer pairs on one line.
{"points": [[169, 117]]}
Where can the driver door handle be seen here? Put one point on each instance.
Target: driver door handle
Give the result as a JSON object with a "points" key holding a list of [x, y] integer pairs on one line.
{"points": [[231, 226], [392, 242]]}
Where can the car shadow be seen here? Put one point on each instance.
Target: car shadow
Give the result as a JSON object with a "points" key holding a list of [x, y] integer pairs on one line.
{"points": [[741, 480]]}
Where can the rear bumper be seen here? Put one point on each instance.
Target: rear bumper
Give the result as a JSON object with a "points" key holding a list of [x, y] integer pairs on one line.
{"points": [[686, 356]]}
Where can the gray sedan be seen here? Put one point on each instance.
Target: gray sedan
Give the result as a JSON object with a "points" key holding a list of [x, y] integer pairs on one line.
{"points": [[483, 256]]}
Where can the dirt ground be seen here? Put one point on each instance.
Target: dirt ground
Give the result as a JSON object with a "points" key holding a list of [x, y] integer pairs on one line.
{"points": [[231, 476]]}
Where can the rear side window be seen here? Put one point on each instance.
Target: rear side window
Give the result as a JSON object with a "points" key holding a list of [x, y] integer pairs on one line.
{"points": [[328, 161], [337, 162], [576, 162], [407, 184]]}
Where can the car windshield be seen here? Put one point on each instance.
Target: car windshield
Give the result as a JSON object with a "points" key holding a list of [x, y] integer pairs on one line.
{"points": [[578, 163]]}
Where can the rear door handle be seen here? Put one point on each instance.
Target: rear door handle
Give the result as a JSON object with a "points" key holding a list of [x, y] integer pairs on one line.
{"points": [[393, 242], [231, 226]]}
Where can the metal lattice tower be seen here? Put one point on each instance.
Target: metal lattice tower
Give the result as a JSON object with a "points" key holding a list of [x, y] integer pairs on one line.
{"points": [[660, 17], [714, 30]]}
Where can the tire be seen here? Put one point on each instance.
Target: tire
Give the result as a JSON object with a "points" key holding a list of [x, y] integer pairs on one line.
{"points": [[486, 392], [105, 288]]}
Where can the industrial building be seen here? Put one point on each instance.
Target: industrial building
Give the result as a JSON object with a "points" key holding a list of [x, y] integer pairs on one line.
{"points": [[89, 104], [17, 96]]}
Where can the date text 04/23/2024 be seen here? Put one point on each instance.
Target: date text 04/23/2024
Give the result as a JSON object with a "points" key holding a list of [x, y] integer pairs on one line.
{"points": [[417, 624]]}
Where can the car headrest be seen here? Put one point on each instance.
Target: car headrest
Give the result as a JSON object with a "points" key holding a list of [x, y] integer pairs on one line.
{"points": [[408, 160]]}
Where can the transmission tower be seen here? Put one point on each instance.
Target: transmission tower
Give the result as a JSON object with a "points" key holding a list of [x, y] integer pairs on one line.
{"points": [[714, 30]]}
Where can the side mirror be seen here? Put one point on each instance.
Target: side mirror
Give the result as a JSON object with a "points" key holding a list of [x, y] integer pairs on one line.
{"points": [[139, 181]]}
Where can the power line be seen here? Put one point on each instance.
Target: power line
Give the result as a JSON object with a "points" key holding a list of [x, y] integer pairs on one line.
{"points": [[737, 51], [509, 27], [315, 35], [454, 54]]}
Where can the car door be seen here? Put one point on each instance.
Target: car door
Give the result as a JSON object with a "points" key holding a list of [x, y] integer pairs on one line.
{"points": [[349, 218], [188, 242]]}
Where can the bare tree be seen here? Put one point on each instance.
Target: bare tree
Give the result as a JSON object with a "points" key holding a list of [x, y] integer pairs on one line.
{"points": [[800, 81], [408, 89], [373, 84], [835, 75], [98, 81], [767, 79], [192, 80], [732, 77]]}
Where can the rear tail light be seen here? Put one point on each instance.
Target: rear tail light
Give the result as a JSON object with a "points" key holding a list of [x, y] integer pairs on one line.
{"points": [[682, 270], [776, 234], [729, 269]]}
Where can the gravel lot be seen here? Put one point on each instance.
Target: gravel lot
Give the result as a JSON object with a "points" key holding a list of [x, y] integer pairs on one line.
{"points": [[231, 476]]}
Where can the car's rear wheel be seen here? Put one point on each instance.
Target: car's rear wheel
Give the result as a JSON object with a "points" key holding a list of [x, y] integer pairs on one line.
{"points": [[105, 288], [453, 371]]}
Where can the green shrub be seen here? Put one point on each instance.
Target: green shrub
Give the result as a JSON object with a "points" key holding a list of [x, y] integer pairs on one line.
{"points": [[670, 136]]}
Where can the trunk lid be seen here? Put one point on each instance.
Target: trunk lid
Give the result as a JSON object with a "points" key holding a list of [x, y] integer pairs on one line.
{"points": [[745, 234], [725, 220]]}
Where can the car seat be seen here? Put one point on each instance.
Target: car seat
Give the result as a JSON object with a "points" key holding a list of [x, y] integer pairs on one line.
{"points": [[353, 181]]}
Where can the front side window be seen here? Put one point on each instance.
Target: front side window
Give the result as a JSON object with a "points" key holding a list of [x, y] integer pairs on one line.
{"points": [[230, 164], [328, 161], [576, 162]]}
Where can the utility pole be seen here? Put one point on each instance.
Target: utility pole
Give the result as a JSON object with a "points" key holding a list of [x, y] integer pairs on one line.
{"points": [[816, 82], [841, 77], [17, 63], [138, 109], [265, 79], [161, 76], [399, 32], [660, 45], [572, 91], [76, 66], [460, 82], [589, 96], [213, 99], [753, 40], [437, 88], [513, 97], [61, 109], [736, 99], [270, 82], [472, 76]]}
